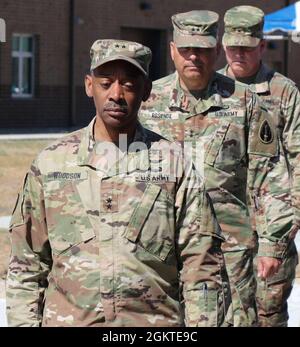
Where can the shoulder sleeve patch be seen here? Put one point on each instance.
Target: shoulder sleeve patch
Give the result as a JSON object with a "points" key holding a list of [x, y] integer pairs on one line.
{"points": [[266, 135], [263, 138]]}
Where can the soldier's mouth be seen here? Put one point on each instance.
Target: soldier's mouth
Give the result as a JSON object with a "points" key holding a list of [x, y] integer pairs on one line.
{"points": [[193, 67], [116, 112]]}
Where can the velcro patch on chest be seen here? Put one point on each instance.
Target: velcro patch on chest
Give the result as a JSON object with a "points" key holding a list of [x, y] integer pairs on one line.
{"points": [[155, 178], [163, 115], [230, 113], [160, 115], [66, 176]]}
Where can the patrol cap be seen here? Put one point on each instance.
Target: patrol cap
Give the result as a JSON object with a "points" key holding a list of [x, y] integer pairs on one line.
{"points": [[195, 29], [104, 51], [243, 26]]}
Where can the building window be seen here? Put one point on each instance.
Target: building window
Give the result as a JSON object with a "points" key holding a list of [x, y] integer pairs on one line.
{"points": [[22, 65]]}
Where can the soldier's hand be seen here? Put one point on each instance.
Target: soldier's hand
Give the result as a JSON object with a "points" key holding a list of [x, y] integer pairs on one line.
{"points": [[267, 266]]}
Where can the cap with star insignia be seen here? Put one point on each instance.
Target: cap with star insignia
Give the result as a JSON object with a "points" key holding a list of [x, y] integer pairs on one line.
{"points": [[104, 51], [243, 26], [195, 29]]}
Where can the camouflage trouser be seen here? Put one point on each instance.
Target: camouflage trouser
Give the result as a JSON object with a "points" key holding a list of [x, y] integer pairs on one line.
{"points": [[272, 294], [239, 265]]}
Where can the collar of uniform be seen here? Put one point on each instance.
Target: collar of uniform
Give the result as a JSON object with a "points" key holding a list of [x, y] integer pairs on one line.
{"points": [[212, 98], [131, 158], [176, 94], [223, 71], [87, 144], [261, 83], [140, 134], [179, 100]]}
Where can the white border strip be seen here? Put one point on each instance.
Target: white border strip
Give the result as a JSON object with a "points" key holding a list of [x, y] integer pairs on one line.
{"points": [[297, 19], [4, 222]]}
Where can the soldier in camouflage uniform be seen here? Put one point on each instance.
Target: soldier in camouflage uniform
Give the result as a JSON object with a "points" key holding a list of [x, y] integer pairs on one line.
{"points": [[221, 122], [109, 233], [244, 46]]}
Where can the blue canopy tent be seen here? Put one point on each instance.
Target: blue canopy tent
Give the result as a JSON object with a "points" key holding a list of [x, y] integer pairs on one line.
{"points": [[286, 20]]}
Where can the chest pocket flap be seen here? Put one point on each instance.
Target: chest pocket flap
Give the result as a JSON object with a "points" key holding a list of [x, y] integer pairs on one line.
{"points": [[141, 212], [68, 224], [152, 232], [216, 143]]}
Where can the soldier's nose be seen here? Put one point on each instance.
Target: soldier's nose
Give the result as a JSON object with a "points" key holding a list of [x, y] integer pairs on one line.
{"points": [[193, 57], [117, 91], [240, 51]]}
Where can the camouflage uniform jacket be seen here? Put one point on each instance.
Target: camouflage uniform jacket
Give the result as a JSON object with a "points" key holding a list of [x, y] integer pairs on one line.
{"points": [[96, 242], [236, 139], [281, 97]]}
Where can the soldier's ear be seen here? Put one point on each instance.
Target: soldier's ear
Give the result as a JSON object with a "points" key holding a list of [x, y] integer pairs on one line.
{"points": [[147, 89], [263, 46], [172, 49], [88, 85]]}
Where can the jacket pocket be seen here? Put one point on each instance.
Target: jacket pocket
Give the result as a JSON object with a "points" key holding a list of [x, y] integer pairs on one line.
{"points": [[203, 307], [18, 217], [149, 226], [65, 242], [67, 222], [215, 145], [245, 298]]}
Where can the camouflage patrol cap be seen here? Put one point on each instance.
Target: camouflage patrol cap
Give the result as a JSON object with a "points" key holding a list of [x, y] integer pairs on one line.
{"points": [[243, 26], [104, 51], [195, 29]]}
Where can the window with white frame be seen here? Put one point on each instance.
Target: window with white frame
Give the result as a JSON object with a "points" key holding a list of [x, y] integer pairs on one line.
{"points": [[22, 65]]}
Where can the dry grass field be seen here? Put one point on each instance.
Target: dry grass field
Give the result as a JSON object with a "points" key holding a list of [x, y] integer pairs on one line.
{"points": [[4, 254], [15, 159]]}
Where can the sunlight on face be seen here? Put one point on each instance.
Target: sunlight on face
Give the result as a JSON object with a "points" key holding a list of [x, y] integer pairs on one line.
{"points": [[195, 66]]}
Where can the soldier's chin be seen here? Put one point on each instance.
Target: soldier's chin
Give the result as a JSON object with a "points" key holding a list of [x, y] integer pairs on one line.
{"points": [[117, 122], [193, 73], [238, 64], [239, 68], [117, 117]]}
